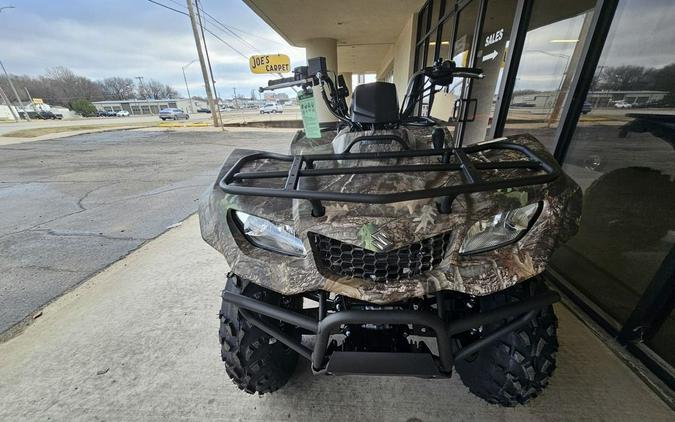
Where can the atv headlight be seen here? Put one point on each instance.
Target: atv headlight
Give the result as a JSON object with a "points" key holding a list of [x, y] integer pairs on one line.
{"points": [[267, 235], [503, 228]]}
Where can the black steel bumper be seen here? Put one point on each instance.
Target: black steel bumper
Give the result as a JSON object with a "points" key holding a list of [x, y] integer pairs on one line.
{"points": [[413, 364]]}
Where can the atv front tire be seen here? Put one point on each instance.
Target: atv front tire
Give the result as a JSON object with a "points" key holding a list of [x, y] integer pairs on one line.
{"points": [[516, 367], [256, 362]]}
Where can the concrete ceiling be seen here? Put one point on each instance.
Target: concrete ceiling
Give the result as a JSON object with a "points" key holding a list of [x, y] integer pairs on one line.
{"points": [[361, 58], [348, 21], [364, 30]]}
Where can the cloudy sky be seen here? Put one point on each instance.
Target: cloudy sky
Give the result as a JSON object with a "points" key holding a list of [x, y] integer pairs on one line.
{"points": [[133, 38], [641, 35], [102, 38]]}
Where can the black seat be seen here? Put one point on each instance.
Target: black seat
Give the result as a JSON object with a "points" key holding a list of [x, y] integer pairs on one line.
{"points": [[375, 102]]}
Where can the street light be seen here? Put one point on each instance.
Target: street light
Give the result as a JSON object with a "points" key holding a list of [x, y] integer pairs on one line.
{"points": [[6, 7], [192, 110]]}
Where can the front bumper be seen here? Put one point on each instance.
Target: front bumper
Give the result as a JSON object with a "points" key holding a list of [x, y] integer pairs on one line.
{"points": [[371, 363]]}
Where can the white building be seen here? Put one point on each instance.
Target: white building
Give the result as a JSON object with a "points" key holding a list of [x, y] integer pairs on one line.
{"points": [[146, 107]]}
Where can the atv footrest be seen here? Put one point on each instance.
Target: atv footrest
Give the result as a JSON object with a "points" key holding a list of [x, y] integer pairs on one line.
{"points": [[420, 365]]}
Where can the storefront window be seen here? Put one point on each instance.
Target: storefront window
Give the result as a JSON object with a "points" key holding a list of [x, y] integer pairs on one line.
{"points": [[492, 50], [663, 342], [622, 154], [551, 53], [444, 102]]}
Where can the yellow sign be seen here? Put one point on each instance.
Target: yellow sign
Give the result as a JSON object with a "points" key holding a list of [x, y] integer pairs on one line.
{"points": [[38, 101], [270, 63]]}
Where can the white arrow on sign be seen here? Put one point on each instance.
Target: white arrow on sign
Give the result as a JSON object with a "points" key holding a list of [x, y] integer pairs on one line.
{"points": [[490, 56]]}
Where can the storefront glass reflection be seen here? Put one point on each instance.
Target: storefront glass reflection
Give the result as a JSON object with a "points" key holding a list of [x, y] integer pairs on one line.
{"points": [[551, 53], [623, 156]]}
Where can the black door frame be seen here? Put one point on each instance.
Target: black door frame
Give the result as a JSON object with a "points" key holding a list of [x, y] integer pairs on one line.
{"points": [[657, 300]]}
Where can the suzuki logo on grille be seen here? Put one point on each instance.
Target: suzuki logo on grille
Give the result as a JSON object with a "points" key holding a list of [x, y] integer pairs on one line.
{"points": [[380, 241], [374, 238]]}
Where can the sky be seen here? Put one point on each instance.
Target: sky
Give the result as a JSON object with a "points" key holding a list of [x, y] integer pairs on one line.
{"points": [[130, 38], [641, 35]]}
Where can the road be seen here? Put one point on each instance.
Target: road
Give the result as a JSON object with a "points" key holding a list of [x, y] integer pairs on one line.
{"points": [[228, 117], [71, 206]]}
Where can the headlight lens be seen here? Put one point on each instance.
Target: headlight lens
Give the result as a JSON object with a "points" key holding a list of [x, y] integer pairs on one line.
{"points": [[267, 235], [499, 230]]}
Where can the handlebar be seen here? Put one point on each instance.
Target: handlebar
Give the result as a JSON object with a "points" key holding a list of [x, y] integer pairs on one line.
{"points": [[468, 72], [284, 83], [442, 73], [300, 77]]}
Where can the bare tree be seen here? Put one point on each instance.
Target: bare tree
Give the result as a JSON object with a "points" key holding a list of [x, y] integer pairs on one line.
{"points": [[623, 78], [117, 88], [157, 90], [67, 86], [61, 86]]}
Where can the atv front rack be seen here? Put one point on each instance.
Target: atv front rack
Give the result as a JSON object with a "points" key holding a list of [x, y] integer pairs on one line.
{"points": [[304, 166]]}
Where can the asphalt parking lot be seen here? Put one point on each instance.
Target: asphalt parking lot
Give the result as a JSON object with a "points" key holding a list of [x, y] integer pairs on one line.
{"points": [[72, 206]]}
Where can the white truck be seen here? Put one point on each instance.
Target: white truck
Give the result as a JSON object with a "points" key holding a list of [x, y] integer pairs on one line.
{"points": [[271, 108]]}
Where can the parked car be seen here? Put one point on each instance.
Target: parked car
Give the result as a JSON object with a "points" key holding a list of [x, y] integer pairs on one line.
{"points": [[100, 113], [173, 114], [203, 110], [586, 108], [122, 113], [42, 115], [271, 108], [111, 113], [622, 104]]}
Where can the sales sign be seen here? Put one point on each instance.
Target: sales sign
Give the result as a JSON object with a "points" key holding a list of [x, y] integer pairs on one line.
{"points": [[270, 63]]}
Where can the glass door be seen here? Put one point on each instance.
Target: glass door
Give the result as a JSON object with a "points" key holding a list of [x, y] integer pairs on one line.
{"points": [[491, 50]]}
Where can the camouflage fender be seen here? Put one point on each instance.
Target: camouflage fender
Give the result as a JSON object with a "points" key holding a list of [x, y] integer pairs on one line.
{"points": [[404, 223]]}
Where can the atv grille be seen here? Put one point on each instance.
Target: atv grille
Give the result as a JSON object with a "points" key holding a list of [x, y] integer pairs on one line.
{"points": [[352, 261]]}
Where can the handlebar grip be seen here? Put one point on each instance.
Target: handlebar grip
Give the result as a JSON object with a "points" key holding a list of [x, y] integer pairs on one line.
{"points": [[468, 72], [273, 82]]}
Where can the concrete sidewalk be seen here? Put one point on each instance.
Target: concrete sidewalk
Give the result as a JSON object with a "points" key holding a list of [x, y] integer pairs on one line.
{"points": [[139, 342]]}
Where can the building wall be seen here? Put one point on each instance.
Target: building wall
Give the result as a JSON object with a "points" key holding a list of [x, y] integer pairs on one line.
{"points": [[5, 113], [399, 58], [142, 107]]}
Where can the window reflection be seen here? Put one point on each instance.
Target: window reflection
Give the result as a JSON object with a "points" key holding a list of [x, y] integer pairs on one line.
{"points": [[623, 156], [551, 53]]}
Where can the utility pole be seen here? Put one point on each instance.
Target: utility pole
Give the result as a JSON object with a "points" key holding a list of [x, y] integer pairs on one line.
{"points": [[32, 103], [192, 109], [16, 94], [4, 98], [208, 62], [200, 53], [141, 89]]}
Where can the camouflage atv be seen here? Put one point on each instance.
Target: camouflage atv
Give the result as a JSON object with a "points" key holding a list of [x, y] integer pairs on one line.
{"points": [[399, 253]]}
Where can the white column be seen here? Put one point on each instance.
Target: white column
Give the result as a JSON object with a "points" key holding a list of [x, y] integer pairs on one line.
{"points": [[348, 82], [323, 47]]}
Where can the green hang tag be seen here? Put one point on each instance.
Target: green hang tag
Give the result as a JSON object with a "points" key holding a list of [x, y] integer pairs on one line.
{"points": [[310, 120]]}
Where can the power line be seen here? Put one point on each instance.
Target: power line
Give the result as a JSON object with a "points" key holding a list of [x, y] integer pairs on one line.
{"points": [[205, 29], [229, 28], [226, 28], [168, 7], [218, 23]]}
